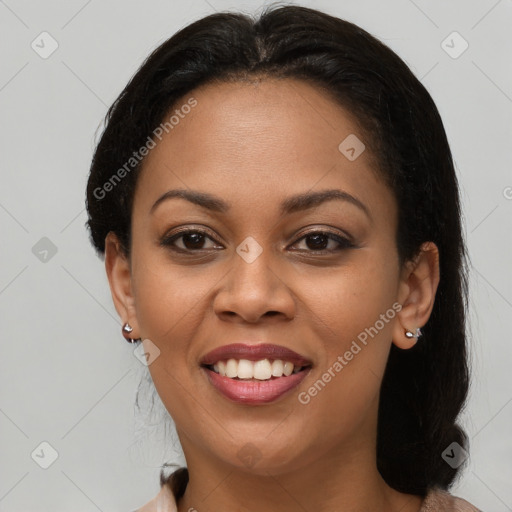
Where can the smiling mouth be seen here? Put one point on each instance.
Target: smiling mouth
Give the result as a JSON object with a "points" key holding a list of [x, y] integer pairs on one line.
{"points": [[255, 383], [254, 371]]}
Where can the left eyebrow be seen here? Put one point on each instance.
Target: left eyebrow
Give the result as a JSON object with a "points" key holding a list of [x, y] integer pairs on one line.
{"points": [[290, 205], [310, 199]]}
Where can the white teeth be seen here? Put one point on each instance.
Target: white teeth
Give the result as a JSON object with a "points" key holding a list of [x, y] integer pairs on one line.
{"points": [[277, 368], [288, 368], [245, 369], [232, 368], [260, 370]]}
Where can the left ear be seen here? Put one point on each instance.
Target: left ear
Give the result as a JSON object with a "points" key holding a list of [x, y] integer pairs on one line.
{"points": [[417, 293]]}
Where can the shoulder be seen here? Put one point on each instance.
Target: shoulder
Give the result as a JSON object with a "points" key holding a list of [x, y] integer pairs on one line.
{"points": [[163, 502], [438, 500]]}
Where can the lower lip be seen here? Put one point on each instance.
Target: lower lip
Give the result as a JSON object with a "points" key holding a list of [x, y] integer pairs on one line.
{"points": [[255, 392]]}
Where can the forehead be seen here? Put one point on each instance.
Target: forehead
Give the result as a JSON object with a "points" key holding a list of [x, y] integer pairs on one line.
{"points": [[253, 141]]}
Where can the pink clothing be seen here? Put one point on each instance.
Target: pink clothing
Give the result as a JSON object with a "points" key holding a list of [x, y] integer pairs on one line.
{"points": [[438, 500]]}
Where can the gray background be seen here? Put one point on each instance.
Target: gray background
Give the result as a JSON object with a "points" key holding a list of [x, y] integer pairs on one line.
{"points": [[67, 377]]}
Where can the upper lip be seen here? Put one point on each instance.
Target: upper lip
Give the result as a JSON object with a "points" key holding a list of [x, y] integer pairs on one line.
{"points": [[254, 353]]}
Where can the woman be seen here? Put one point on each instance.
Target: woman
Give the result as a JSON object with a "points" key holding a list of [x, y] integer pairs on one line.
{"points": [[279, 214]]}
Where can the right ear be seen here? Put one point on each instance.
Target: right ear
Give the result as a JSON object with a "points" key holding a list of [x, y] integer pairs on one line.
{"points": [[118, 271]]}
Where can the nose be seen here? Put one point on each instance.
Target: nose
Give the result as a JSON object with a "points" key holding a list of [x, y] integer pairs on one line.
{"points": [[254, 291]]}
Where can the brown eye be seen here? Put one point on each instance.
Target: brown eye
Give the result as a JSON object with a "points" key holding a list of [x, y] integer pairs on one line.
{"points": [[191, 241], [318, 241]]}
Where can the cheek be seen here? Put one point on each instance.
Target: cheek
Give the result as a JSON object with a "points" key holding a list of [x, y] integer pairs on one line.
{"points": [[347, 300], [353, 316], [167, 296], [169, 314]]}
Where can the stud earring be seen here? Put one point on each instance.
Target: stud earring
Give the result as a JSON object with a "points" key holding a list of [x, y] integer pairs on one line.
{"points": [[410, 334], [127, 329]]}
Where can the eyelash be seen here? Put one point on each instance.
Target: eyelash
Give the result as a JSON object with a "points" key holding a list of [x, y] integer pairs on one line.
{"points": [[345, 243]]}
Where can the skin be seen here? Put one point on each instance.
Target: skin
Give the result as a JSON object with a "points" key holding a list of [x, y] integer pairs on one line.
{"points": [[253, 145]]}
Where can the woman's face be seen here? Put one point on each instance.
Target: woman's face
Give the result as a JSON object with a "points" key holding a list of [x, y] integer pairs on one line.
{"points": [[254, 277]]}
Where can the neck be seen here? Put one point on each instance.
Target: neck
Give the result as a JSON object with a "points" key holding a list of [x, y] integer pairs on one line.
{"points": [[350, 483]]}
